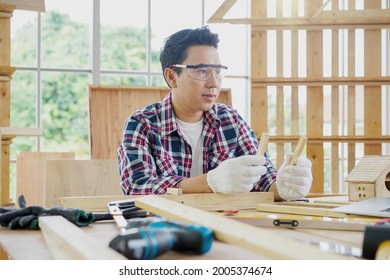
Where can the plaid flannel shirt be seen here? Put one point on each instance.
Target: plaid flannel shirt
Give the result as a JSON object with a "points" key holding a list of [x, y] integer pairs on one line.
{"points": [[154, 155]]}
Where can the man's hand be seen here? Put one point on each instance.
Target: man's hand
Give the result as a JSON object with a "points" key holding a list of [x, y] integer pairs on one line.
{"points": [[294, 181], [236, 175]]}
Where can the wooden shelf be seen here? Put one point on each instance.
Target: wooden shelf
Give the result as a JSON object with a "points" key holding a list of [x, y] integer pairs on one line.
{"points": [[320, 20], [332, 139], [7, 71], [333, 81], [10, 132]]}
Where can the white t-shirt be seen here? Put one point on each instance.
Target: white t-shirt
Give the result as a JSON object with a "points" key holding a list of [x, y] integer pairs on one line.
{"points": [[193, 134]]}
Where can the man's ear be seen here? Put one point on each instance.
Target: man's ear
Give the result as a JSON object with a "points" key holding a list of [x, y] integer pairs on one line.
{"points": [[170, 77]]}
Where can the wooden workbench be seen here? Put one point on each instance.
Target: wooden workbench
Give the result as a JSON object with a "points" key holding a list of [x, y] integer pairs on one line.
{"points": [[30, 244]]}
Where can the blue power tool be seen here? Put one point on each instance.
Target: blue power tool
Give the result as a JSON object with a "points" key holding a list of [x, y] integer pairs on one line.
{"points": [[148, 238]]}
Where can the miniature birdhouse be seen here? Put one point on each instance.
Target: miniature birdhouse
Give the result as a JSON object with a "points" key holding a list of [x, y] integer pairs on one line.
{"points": [[369, 178]]}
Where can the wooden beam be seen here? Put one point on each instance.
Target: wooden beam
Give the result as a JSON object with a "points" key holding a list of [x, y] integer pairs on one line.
{"points": [[333, 81], [234, 232], [68, 242], [11, 132], [333, 139], [221, 11], [335, 114]]}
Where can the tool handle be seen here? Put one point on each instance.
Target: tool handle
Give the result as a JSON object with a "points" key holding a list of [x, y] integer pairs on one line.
{"points": [[298, 149], [263, 144]]}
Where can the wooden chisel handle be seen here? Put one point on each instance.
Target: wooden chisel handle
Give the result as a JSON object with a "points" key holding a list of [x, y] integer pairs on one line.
{"points": [[263, 144], [298, 149]]}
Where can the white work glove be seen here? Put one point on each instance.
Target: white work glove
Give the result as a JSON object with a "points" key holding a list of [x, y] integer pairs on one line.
{"points": [[236, 175], [294, 181]]}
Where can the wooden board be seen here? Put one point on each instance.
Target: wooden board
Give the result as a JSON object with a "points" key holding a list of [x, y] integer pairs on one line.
{"points": [[219, 201], [68, 242], [31, 174], [205, 201], [110, 106], [234, 232], [81, 178]]}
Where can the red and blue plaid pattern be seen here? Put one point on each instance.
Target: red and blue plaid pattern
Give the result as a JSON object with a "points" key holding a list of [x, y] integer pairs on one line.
{"points": [[154, 156]]}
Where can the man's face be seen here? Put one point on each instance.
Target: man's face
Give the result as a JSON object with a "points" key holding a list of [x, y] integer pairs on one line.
{"points": [[191, 97]]}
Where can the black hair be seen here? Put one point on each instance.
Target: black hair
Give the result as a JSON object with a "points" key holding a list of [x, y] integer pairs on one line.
{"points": [[175, 49]]}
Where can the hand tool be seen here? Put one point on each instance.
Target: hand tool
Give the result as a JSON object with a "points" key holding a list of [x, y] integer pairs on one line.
{"points": [[148, 238], [124, 209]]}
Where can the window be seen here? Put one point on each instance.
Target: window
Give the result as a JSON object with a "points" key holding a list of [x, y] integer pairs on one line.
{"points": [[112, 42]]}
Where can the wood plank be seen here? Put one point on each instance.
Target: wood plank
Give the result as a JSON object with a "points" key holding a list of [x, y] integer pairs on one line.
{"points": [[81, 178], [31, 174], [342, 19], [263, 144], [68, 242], [368, 80], [279, 90], [211, 201], [90, 203], [221, 11], [323, 139], [294, 73], [259, 96], [298, 149], [315, 100], [351, 96], [335, 117], [219, 201], [16, 131], [372, 94], [234, 232]]}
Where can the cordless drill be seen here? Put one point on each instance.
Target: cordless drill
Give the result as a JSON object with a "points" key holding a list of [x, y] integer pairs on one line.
{"points": [[148, 238]]}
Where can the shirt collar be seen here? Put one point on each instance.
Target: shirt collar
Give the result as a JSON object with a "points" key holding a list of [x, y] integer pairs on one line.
{"points": [[168, 122]]}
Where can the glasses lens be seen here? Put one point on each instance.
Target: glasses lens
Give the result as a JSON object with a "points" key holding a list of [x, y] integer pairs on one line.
{"points": [[204, 73]]}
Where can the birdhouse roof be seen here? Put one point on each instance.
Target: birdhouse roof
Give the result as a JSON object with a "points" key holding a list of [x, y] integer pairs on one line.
{"points": [[369, 168]]}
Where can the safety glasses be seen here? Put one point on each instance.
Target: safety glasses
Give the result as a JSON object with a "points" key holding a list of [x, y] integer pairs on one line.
{"points": [[203, 72]]}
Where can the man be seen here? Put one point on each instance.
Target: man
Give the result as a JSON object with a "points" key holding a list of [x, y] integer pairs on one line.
{"points": [[190, 142]]}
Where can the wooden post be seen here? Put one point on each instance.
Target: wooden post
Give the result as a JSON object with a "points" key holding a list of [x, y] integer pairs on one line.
{"points": [[335, 158], [259, 98], [372, 94], [351, 94], [279, 89], [315, 100], [5, 96]]}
